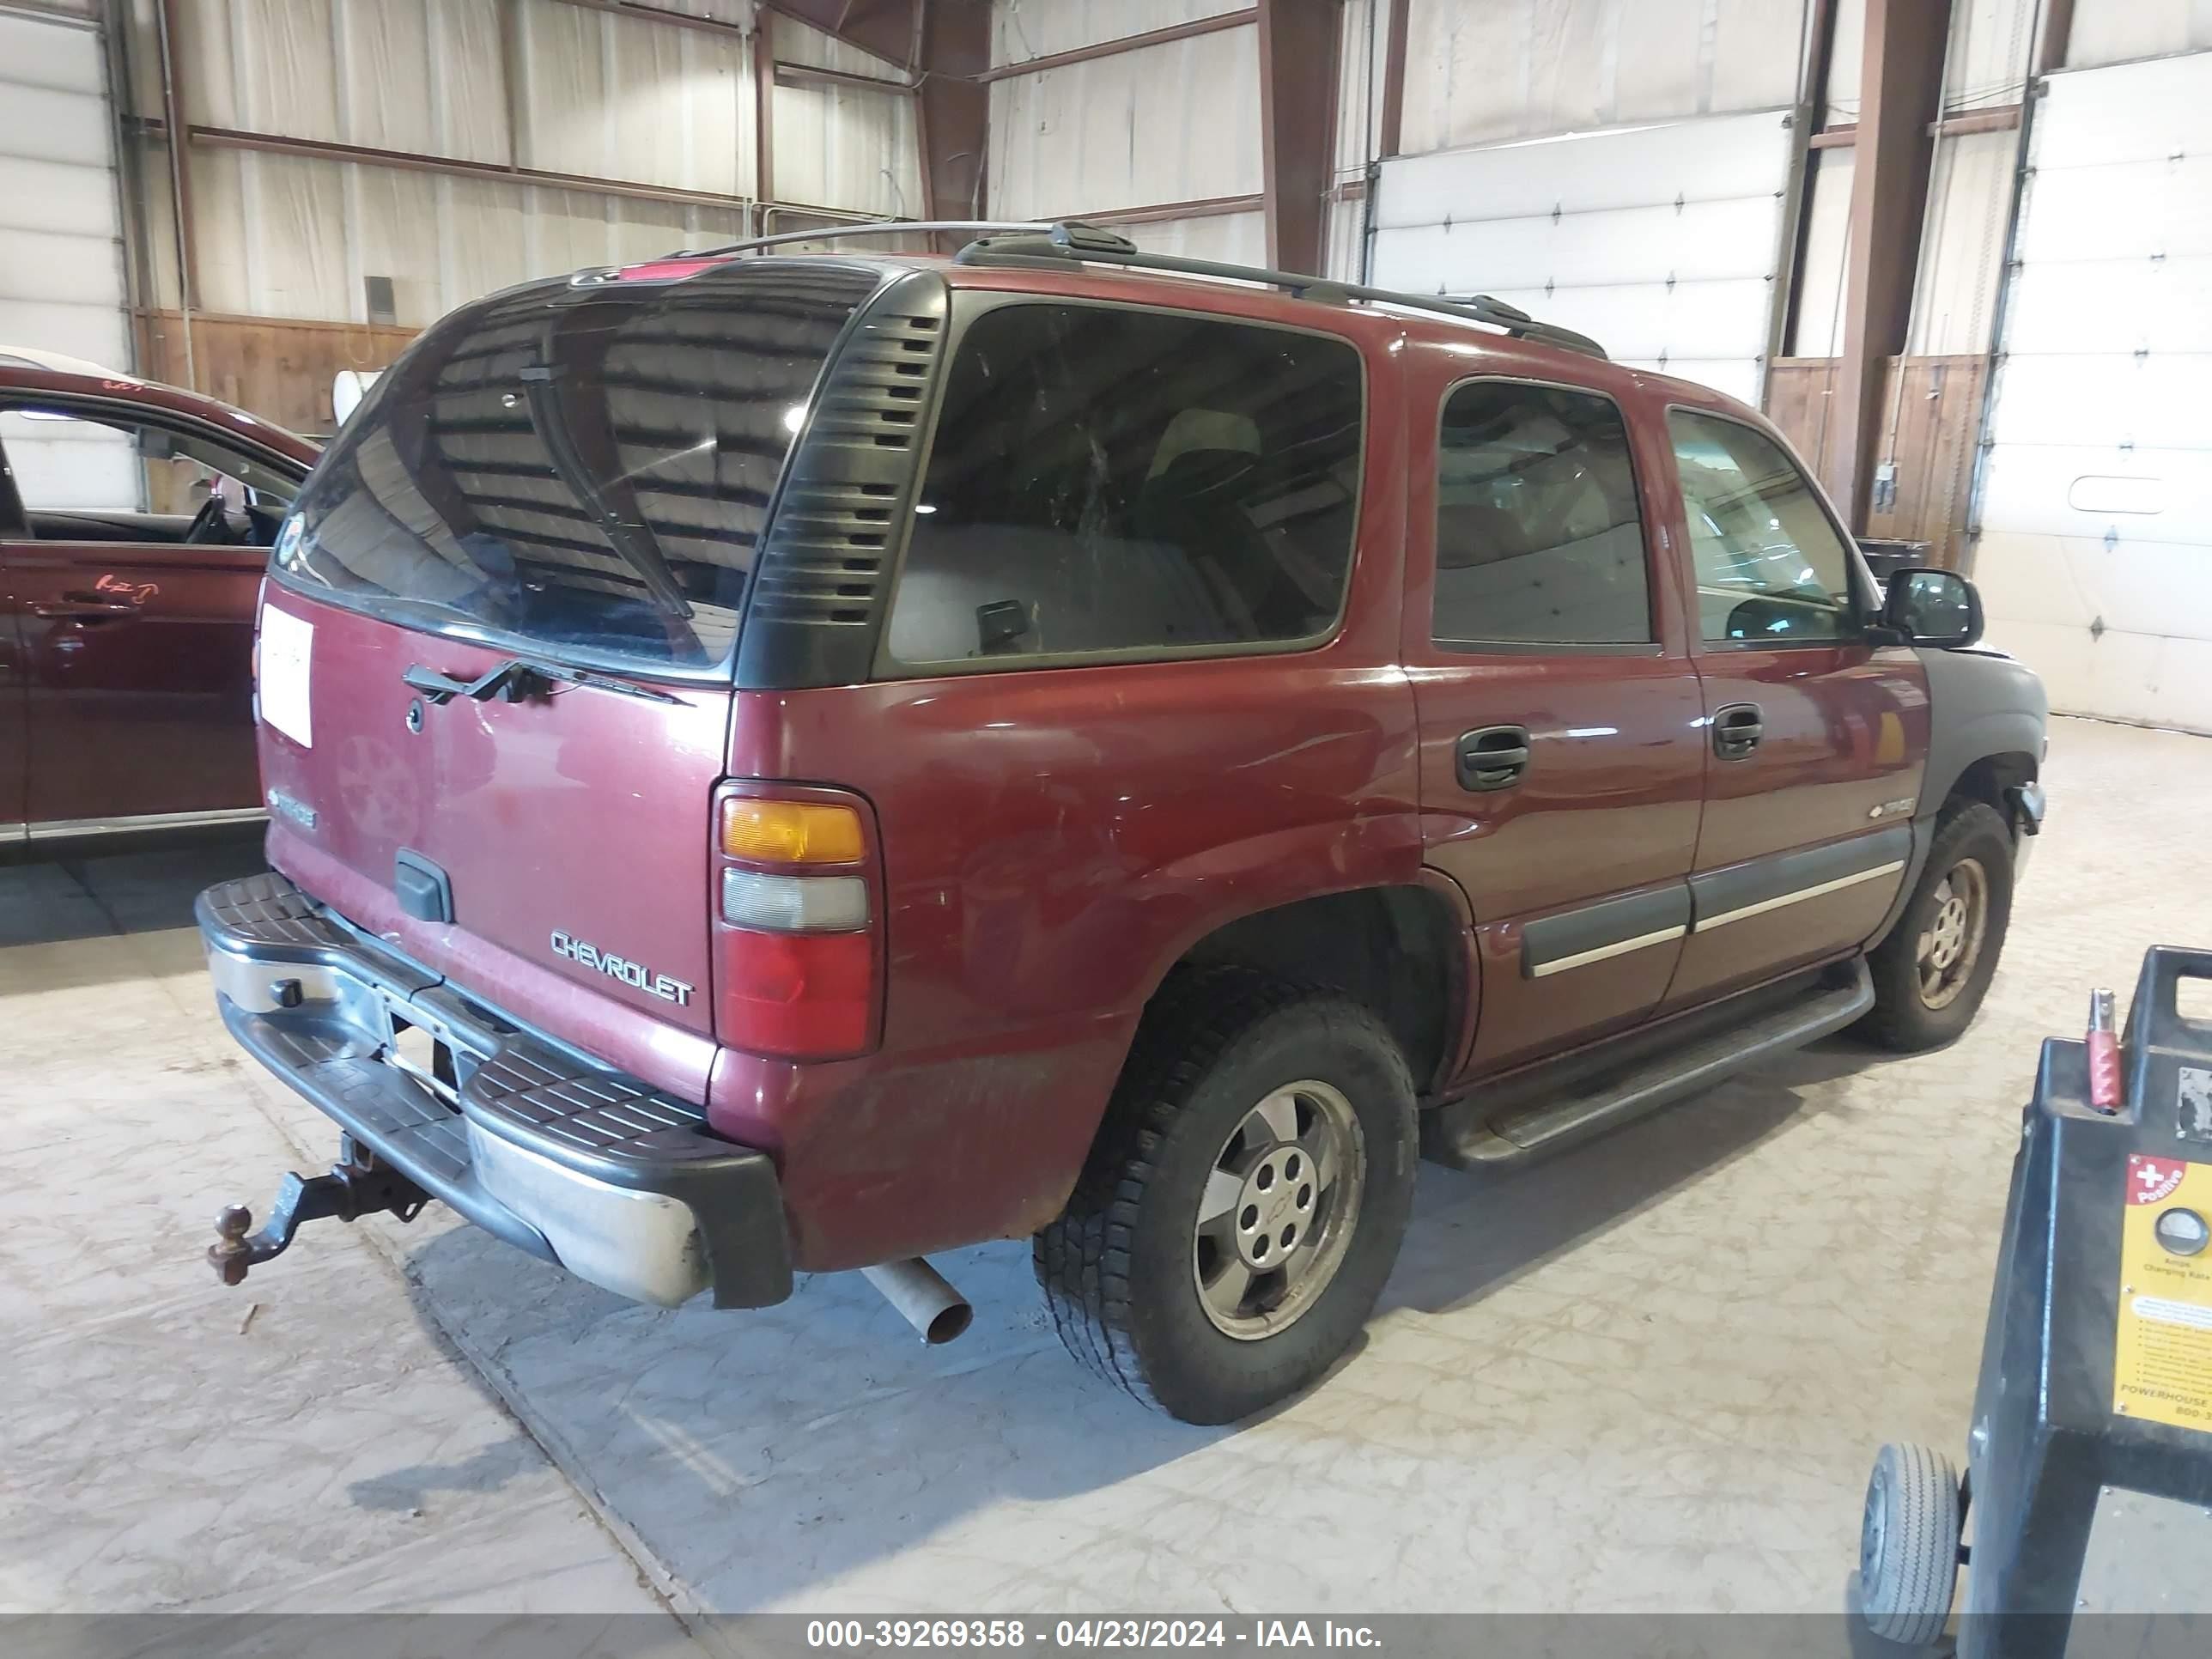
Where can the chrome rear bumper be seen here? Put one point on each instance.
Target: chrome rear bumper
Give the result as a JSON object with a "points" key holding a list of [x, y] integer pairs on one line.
{"points": [[621, 1184]]}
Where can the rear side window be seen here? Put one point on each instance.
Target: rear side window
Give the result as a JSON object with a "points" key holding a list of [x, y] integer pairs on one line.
{"points": [[583, 469], [1539, 540], [1109, 480]]}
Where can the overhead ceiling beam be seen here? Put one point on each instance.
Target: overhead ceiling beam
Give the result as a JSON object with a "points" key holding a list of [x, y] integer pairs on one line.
{"points": [[1297, 125], [952, 109], [1901, 93], [1113, 48]]}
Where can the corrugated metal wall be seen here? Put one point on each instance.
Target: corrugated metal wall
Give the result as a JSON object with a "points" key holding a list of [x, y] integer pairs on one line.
{"points": [[1514, 68], [1174, 123], [558, 88]]}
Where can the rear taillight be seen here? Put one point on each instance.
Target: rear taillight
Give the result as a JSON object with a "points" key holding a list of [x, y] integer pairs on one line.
{"points": [[798, 922]]}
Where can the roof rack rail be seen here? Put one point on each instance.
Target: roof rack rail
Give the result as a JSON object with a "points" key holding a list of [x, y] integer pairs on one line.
{"points": [[1075, 242], [866, 228], [1071, 242]]}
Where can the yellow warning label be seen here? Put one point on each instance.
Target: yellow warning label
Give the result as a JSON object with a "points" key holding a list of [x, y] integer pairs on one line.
{"points": [[2162, 1363]]}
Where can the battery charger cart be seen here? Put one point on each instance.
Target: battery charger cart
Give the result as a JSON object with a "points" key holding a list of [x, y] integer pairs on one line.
{"points": [[2097, 1365]]}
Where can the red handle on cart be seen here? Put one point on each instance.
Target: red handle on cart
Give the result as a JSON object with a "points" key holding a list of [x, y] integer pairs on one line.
{"points": [[2104, 1054]]}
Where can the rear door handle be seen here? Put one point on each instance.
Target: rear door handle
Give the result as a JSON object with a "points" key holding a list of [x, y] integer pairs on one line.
{"points": [[1492, 758], [1737, 728]]}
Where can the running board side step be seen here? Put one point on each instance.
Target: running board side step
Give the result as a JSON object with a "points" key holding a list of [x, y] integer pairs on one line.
{"points": [[1461, 1134]]}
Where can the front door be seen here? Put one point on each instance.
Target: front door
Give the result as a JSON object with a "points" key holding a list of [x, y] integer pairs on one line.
{"points": [[134, 571], [1818, 737], [1561, 755]]}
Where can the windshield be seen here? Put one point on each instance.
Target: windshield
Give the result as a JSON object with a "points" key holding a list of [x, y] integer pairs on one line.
{"points": [[584, 468]]}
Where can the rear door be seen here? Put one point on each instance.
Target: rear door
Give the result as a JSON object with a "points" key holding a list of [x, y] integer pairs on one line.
{"points": [[134, 569], [569, 478], [1818, 736], [1560, 759]]}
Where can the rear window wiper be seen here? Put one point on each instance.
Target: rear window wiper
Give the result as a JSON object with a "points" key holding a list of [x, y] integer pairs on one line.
{"points": [[518, 678]]}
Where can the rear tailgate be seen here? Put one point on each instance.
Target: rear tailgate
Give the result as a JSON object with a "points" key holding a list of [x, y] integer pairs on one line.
{"points": [[496, 680], [572, 830]]}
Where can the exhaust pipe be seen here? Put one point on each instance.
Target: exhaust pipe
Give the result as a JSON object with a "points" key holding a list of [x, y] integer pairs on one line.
{"points": [[923, 1299]]}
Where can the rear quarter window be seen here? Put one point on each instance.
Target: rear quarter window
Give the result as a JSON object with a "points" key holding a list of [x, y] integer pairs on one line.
{"points": [[1109, 482]]}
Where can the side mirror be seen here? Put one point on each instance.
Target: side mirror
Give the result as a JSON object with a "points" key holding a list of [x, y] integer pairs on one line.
{"points": [[1937, 608]]}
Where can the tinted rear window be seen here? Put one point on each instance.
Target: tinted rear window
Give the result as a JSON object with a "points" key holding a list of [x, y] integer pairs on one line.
{"points": [[1110, 480], [586, 469]]}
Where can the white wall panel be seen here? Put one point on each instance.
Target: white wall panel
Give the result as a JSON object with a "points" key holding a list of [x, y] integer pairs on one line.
{"points": [[1962, 252], [1659, 241], [1510, 68], [1819, 321], [595, 94], [1988, 51], [61, 271], [1173, 122], [2117, 31], [1238, 238], [2095, 559], [1021, 29], [1846, 62]]}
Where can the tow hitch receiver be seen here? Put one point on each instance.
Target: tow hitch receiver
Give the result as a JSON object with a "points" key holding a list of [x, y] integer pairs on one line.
{"points": [[356, 1185]]}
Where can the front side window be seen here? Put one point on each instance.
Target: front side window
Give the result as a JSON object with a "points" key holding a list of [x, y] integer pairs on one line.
{"points": [[1539, 540], [84, 476], [1111, 480], [1770, 566]]}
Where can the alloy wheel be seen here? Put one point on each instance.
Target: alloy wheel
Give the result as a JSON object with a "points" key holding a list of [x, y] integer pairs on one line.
{"points": [[1951, 943], [1278, 1209]]}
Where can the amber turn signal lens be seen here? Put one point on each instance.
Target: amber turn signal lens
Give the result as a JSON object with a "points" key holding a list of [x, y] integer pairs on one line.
{"points": [[791, 832]]}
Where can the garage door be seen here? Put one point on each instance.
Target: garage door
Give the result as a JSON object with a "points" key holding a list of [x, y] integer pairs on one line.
{"points": [[2095, 557], [61, 262], [1661, 242]]}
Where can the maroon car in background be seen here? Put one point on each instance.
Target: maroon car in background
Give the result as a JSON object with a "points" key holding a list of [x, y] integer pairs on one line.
{"points": [[135, 525]]}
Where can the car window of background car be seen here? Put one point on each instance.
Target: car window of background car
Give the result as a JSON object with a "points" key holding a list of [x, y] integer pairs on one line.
{"points": [[1108, 479], [64, 461], [1538, 535], [1769, 565]]}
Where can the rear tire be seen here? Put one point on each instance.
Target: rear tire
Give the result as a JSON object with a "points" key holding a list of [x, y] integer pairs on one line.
{"points": [[1931, 973], [1243, 1201]]}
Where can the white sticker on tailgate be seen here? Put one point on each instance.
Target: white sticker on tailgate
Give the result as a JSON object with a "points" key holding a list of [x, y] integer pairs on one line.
{"points": [[287, 649]]}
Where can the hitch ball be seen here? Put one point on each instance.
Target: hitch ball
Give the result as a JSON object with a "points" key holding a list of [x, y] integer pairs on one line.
{"points": [[230, 1255]]}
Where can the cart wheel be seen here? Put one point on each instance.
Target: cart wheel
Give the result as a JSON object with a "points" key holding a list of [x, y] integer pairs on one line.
{"points": [[1909, 1545]]}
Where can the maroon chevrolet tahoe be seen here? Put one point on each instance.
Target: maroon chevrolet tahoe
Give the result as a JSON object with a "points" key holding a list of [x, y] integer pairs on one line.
{"points": [[789, 763]]}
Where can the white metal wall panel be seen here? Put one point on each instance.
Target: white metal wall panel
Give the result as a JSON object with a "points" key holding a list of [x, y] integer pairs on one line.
{"points": [[1660, 240], [1172, 123], [1238, 239], [2118, 31], [1021, 29], [1510, 68], [61, 270], [2095, 559], [1962, 254], [847, 147]]}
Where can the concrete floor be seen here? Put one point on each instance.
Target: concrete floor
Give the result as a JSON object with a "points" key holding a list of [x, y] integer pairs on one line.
{"points": [[1647, 1376]]}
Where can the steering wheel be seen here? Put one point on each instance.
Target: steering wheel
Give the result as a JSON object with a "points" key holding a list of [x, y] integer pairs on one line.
{"points": [[211, 523]]}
